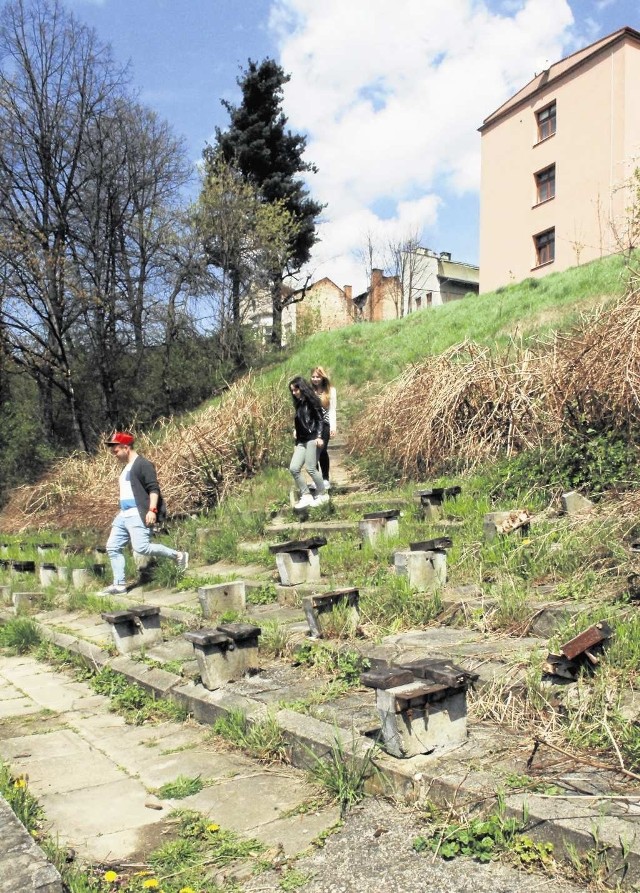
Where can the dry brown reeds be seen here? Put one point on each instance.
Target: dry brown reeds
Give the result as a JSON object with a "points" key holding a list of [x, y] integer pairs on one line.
{"points": [[472, 404], [198, 462]]}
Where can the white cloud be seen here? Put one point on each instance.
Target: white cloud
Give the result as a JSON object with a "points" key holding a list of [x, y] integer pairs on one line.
{"points": [[391, 96]]}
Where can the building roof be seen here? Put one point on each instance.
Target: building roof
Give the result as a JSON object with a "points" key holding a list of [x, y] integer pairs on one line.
{"points": [[559, 70]]}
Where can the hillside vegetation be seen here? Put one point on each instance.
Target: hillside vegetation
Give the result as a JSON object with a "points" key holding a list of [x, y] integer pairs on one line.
{"points": [[202, 456]]}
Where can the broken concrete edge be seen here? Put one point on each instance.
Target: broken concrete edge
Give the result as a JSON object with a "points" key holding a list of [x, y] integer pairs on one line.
{"points": [[23, 859], [414, 780]]}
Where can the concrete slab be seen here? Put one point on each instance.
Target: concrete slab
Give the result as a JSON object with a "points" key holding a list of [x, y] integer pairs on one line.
{"points": [[206, 764], [58, 743], [18, 707], [246, 803], [297, 833], [80, 816], [60, 774]]}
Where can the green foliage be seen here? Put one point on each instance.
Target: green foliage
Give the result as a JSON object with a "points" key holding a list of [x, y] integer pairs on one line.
{"points": [[344, 665], [20, 635], [292, 879], [180, 788], [275, 638], [484, 839], [262, 739], [592, 461], [130, 700]]}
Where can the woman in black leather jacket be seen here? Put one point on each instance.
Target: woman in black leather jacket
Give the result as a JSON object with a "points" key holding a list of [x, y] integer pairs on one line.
{"points": [[308, 436]]}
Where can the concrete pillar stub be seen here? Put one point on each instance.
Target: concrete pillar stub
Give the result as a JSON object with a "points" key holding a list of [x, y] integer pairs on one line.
{"points": [[297, 567], [222, 597], [131, 634], [372, 529], [425, 571], [26, 602], [434, 726]]}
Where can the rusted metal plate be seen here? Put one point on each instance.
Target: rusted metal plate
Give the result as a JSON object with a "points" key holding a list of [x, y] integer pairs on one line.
{"points": [[439, 544], [389, 514], [388, 677], [314, 542], [595, 635]]}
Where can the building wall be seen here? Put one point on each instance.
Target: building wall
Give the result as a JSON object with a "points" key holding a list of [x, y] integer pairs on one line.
{"points": [[325, 307], [597, 136]]}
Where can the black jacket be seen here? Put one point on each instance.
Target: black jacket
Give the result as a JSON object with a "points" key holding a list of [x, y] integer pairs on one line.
{"points": [[308, 422]]}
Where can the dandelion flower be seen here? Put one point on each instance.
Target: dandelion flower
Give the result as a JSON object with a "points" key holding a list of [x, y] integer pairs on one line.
{"points": [[151, 884], [20, 783], [110, 876], [213, 827], [186, 890]]}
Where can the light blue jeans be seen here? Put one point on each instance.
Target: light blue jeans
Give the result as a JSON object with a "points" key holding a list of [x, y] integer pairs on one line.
{"points": [[306, 454], [131, 527]]}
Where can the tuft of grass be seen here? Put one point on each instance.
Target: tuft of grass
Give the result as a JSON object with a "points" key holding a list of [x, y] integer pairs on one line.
{"points": [[275, 638], [19, 635], [181, 787], [343, 773], [261, 739]]}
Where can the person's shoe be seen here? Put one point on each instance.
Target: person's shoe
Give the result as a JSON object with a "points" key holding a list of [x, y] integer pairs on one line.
{"points": [[321, 499], [327, 485], [183, 560], [304, 502], [115, 589]]}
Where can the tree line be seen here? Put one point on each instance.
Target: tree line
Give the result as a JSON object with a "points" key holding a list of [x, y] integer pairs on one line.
{"points": [[119, 300]]}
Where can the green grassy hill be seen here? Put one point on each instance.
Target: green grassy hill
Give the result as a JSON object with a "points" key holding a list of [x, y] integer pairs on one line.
{"points": [[366, 353]]}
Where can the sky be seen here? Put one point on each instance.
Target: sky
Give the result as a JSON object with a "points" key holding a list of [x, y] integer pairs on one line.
{"points": [[389, 94]]}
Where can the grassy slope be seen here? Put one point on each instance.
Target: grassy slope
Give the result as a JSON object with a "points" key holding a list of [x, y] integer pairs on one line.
{"points": [[365, 354]]}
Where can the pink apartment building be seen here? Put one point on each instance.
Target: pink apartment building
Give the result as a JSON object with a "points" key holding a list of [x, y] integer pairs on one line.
{"points": [[557, 159]]}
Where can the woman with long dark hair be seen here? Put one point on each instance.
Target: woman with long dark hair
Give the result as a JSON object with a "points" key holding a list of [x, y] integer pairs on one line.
{"points": [[321, 384], [308, 436]]}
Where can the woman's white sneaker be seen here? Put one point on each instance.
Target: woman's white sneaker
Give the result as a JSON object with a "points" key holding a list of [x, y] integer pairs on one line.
{"points": [[304, 502], [327, 485]]}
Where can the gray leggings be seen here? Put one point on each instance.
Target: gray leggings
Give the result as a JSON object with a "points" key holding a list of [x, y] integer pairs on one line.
{"points": [[306, 454]]}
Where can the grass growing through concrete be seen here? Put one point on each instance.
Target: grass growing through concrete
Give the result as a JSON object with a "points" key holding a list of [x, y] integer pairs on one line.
{"points": [[261, 739], [343, 772], [180, 787]]}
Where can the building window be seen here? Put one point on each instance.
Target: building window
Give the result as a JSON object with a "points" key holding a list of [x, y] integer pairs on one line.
{"points": [[418, 302], [546, 119], [545, 247], [546, 184]]}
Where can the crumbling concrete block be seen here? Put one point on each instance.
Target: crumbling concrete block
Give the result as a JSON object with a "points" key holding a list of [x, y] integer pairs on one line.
{"points": [[431, 500], [222, 597], [500, 523], [425, 571], [379, 525], [226, 653], [574, 503], [134, 628], [422, 706], [298, 561]]}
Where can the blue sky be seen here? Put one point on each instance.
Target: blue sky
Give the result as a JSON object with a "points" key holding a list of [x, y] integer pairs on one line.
{"points": [[390, 94]]}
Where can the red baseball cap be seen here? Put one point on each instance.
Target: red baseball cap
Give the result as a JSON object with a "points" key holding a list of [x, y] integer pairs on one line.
{"points": [[121, 438]]}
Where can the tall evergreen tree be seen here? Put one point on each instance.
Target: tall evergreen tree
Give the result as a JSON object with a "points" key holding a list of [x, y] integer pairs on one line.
{"points": [[259, 145]]}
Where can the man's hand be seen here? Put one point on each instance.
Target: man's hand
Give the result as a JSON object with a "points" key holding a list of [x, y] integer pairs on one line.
{"points": [[150, 519]]}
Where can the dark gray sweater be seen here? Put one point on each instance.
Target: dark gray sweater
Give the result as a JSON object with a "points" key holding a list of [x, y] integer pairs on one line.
{"points": [[144, 481]]}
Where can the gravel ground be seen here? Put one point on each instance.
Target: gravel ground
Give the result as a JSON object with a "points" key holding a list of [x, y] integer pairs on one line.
{"points": [[373, 852]]}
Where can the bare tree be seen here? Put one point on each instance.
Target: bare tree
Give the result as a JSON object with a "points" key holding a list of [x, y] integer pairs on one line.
{"points": [[54, 80]]}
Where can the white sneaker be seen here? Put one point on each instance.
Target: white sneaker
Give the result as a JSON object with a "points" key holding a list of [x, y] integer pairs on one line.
{"points": [[321, 499], [327, 485], [183, 560], [304, 502], [114, 589]]}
